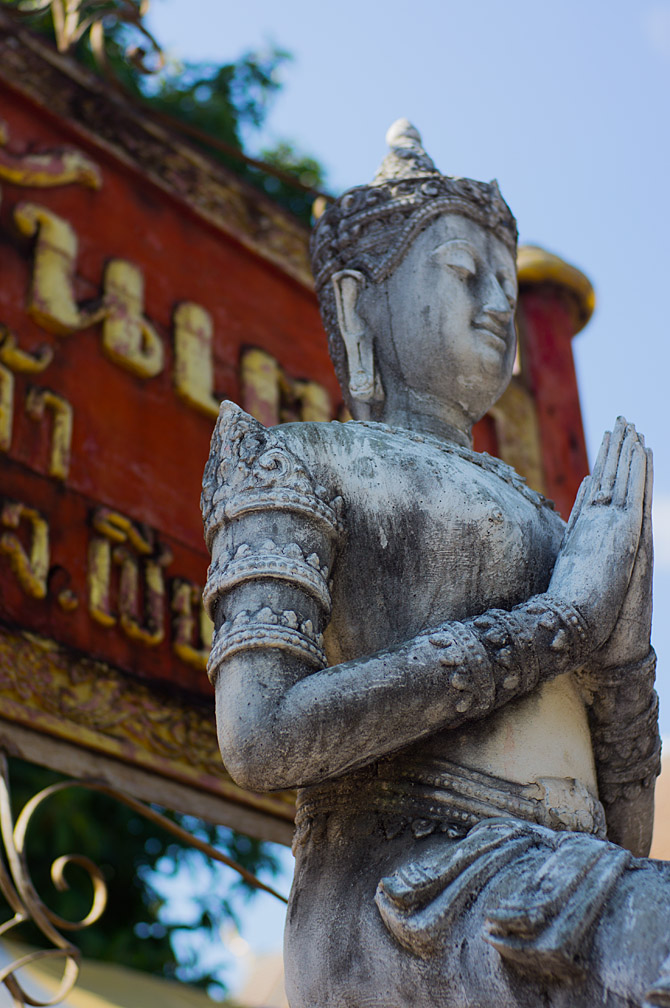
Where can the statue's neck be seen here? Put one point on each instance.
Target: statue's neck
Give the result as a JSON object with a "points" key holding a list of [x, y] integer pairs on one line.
{"points": [[426, 415]]}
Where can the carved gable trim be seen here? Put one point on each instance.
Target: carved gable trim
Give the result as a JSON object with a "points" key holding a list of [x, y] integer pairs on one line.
{"points": [[87, 703]]}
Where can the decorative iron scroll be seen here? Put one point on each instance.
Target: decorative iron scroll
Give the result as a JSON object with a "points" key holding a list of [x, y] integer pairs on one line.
{"points": [[73, 19], [17, 887]]}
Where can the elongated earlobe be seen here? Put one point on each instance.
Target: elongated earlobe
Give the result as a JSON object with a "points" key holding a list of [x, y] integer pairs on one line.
{"points": [[364, 384]]}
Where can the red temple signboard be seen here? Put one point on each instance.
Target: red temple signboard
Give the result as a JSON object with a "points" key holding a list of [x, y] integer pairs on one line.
{"points": [[142, 284]]}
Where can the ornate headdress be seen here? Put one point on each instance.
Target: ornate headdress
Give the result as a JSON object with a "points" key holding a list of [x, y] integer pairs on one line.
{"points": [[370, 227]]}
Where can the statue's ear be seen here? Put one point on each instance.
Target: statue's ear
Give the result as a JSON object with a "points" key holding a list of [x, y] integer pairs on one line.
{"points": [[364, 383]]}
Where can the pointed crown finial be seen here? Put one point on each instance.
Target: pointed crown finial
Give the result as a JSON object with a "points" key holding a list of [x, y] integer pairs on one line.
{"points": [[402, 131], [406, 157]]}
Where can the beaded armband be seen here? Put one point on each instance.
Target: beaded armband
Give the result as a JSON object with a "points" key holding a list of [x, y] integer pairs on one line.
{"points": [[623, 717], [254, 483], [268, 559], [502, 654], [266, 629]]}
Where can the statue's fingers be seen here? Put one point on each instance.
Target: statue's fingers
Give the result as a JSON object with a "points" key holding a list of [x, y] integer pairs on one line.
{"points": [[644, 559], [617, 442], [646, 535], [599, 465], [637, 479], [577, 506], [649, 485], [619, 494]]}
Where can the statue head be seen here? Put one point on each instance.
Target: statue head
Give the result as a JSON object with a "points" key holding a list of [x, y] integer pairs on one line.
{"points": [[416, 280]]}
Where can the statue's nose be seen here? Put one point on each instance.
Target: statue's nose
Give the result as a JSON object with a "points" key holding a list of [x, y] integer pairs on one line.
{"points": [[495, 303]]}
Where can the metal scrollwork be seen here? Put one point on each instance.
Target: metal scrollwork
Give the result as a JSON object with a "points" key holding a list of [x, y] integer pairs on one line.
{"points": [[73, 19], [25, 903]]}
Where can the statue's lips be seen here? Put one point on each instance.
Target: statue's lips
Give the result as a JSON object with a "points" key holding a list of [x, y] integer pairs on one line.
{"points": [[498, 336]]}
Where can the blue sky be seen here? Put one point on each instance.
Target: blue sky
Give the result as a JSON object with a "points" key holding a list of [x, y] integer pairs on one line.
{"points": [[565, 103]]}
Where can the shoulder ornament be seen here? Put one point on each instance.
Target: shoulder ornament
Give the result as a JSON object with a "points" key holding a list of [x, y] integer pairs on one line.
{"points": [[254, 485], [251, 469]]}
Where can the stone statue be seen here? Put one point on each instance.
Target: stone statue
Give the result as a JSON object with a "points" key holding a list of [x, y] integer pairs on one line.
{"points": [[459, 684]]}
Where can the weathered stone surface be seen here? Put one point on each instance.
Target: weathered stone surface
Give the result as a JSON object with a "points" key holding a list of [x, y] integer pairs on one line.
{"points": [[460, 685]]}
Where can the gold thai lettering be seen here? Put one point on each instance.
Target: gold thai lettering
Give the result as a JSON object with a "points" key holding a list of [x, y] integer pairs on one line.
{"points": [[6, 407], [127, 337], [151, 630], [17, 359], [259, 386], [272, 396], [100, 581], [60, 587], [49, 169], [194, 365], [12, 359], [141, 589], [518, 434], [44, 171], [118, 528], [38, 401], [67, 600], [51, 299], [192, 627], [314, 401], [31, 565]]}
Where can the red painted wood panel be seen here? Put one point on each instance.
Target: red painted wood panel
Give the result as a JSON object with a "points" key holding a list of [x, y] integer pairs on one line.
{"points": [[137, 448], [547, 321]]}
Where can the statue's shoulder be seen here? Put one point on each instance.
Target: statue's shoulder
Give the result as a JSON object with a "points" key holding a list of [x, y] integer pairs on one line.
{"points": [[335, 448], [256, 468], [337, 451], [327, 443]]}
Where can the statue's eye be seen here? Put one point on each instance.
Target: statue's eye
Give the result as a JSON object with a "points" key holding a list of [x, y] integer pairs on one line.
{"points": [[464, 269], [457, 258]]}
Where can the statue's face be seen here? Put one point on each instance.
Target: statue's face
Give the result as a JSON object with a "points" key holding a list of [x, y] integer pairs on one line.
{"points": [[448, 311]]}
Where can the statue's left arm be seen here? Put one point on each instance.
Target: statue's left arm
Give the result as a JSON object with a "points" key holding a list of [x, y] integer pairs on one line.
{"points": [[623, 706]]}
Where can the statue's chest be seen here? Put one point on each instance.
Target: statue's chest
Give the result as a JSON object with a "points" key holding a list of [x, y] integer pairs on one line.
{"points": [[430, 536]]}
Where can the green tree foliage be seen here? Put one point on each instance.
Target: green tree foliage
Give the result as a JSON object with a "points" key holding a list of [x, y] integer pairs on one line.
{"points": [[306, 169], [229, 102], [137, 928]]}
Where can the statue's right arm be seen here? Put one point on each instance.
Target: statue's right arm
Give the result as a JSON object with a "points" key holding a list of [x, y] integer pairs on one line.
{"points": [[286, 719]]}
